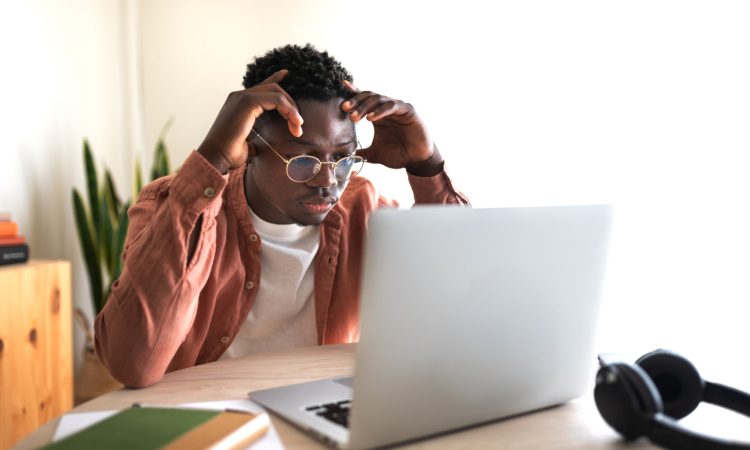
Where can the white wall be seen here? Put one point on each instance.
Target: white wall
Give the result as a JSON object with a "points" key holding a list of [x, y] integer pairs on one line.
{"points": [[642, 104], [61, 80]]}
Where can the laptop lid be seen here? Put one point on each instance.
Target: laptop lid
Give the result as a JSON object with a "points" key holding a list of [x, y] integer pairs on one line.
{"points": [[469, 315]]}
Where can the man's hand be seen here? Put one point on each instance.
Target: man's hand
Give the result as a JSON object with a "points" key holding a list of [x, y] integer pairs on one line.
{"points": [[225, 145], [400, 140]]}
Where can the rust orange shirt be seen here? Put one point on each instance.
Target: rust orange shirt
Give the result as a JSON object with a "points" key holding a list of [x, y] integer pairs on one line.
{"points": [[164, 314]]}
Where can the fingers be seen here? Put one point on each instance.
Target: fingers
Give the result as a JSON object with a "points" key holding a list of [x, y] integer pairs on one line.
{"points": [[376, 111], [285, 106], [366, 105], [258, 101], [373, 106], [272, 84], [386, 109], [352, 88], [270, 95], [275, 77], [348, 105]]}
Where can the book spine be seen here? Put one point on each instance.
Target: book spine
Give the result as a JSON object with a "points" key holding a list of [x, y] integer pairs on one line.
{"points": [[10, 254], [15, 240], [8, 229]]}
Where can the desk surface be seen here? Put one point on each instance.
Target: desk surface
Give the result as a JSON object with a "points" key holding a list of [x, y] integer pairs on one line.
{"points": [[575, 425]]}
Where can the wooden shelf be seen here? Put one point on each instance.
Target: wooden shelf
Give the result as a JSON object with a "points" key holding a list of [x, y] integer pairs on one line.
{"points": [[36, 350]]}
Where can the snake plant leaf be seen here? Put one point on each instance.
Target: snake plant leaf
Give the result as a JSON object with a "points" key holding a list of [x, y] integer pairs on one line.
{"points": [[107, 231], [92, 185], [118, 245], [111, 192], [160, 166], [163, 160], [85, 237], [137, 179], [118, 242]]}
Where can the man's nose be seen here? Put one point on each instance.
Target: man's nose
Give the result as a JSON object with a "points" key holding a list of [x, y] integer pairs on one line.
{"points": [[325, 177]]}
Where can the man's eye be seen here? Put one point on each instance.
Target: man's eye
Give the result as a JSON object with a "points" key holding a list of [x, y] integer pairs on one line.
{"points": [[340, 156]]}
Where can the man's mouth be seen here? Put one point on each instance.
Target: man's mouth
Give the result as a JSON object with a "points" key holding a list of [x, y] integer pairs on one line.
{"points": [[318, 205]]}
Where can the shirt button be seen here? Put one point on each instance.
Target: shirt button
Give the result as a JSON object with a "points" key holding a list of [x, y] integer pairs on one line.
{"points": [[253, 237], [209, 192], [249, 285], [224, 339]]}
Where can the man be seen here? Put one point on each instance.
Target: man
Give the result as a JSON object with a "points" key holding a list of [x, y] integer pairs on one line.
{"points": [[256, 245]]}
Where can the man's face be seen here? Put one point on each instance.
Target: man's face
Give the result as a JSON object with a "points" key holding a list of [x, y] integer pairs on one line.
{"points": [[328, 135]]}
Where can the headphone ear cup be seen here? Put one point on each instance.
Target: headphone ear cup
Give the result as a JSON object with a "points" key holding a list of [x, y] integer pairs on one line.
{"points": [[678, 381], [627, 399]]}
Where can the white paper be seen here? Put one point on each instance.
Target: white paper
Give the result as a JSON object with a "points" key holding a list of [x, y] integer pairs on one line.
{"points": [[71, 423]]}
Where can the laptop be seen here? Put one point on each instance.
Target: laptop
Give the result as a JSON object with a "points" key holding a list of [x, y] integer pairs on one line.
{"points": [[466, 316]]}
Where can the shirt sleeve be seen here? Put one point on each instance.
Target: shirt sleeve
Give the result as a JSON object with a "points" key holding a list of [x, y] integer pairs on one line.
{"points": [[153, 304]]}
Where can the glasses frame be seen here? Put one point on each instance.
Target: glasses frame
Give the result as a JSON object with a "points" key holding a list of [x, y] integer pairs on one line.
{"points": [[320, 164]]}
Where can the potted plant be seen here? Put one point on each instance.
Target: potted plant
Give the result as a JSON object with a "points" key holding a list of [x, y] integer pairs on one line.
{"points": [[102, 224]]}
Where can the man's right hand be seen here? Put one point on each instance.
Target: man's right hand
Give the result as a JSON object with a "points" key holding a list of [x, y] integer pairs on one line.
{"points": [[225, 145]]}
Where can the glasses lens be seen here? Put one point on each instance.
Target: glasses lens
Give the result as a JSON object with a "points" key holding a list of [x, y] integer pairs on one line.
{"points": [[348, 167], [303, 168]]}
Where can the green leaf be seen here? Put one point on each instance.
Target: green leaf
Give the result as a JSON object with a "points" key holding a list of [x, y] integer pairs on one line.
{"points": [[111, 192], [163, 160], [92, 185], [160, 165], [137, 179], [118, 245], [88, 248], [165, 128], [119, 240], [106, 233]]}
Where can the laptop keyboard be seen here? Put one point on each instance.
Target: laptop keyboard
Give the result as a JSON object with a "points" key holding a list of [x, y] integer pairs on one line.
{"points": [[336, 412]]}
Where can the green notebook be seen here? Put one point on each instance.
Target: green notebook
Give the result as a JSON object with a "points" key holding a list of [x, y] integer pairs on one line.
{"points": [[145, 428]]}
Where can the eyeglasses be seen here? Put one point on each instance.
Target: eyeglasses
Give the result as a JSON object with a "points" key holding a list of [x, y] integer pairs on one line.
{"points": [[303, 168]]}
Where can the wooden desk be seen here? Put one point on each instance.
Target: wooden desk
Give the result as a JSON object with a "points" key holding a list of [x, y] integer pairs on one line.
{"points": [[572, 426]]}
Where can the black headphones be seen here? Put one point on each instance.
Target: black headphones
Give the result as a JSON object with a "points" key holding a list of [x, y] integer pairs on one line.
{"points": [[649, 397]]}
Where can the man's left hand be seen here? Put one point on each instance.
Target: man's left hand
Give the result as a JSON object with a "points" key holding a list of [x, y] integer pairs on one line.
{"points": [[400, 139]]}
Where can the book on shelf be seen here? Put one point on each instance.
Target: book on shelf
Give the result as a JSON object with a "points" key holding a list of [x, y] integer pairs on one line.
{"points": [[11, 254], [8, 228], [169, 428], [12, 240], [13, 247]]}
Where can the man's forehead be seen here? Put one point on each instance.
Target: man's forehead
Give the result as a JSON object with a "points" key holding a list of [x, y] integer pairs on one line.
{"points": [[325, 124], [318, 113], [324, 141]]}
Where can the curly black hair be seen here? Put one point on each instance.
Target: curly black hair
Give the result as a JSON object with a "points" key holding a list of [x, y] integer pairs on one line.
{"points": [[313, 75]]}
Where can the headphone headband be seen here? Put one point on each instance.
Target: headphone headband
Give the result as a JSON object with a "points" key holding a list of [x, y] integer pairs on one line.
{"points": [[668, 433], [727, 397]]}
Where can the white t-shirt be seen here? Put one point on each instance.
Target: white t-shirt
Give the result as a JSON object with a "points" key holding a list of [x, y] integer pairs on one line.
{"points": [[283, 314]]}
